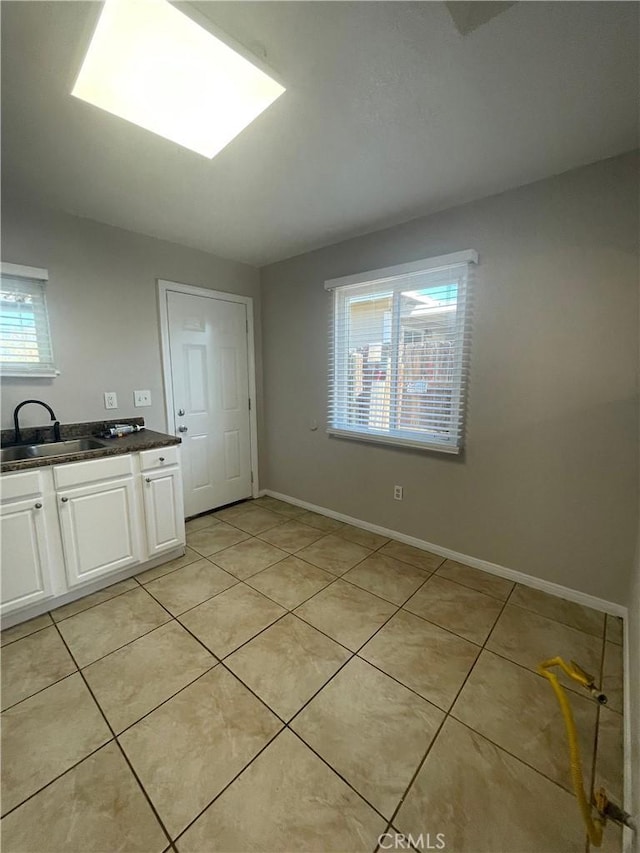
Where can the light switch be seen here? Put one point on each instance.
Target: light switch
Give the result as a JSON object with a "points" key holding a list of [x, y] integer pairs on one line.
{"points": [[141, 398]]}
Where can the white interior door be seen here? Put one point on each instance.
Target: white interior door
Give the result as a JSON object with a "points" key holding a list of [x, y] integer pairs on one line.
{"points": [[208, 350]]}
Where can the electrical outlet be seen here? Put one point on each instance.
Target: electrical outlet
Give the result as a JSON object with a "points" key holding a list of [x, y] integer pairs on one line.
{"points": [[110, 400], [397, 493], [142, 398]]}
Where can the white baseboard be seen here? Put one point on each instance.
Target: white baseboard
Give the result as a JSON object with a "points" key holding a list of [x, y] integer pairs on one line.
{"points": [[552, 588]]}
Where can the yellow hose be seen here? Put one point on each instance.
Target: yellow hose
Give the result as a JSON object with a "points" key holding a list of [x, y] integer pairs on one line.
{"points": [[594, 827]]}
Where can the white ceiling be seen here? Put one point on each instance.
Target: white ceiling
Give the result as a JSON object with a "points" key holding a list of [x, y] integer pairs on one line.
{"points": [[390, 113]]}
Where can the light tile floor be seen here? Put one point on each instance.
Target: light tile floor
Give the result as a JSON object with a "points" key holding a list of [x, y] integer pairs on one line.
{"points": [[294, 683]]}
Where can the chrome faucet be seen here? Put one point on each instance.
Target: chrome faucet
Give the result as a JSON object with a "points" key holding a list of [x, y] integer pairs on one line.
{"points": [[16, 423]]}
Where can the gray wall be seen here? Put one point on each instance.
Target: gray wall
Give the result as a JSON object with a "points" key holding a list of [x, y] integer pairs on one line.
{"points": [[548, 483], [103, 306]]}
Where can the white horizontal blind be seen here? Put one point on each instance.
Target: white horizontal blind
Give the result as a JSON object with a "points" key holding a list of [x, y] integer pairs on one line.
{"points": [[25, 340], [399, 357]]}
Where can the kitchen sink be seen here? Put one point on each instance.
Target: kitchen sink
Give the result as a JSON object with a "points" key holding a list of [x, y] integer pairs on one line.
{"points": [[52, 448]]}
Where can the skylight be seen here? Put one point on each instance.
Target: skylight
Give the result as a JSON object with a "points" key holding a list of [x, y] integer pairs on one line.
{"points": [[152, 65]]}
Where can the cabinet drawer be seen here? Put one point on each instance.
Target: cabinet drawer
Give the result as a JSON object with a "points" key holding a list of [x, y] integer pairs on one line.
{"points": [[23, 485], [158, 458], [75, 473]]}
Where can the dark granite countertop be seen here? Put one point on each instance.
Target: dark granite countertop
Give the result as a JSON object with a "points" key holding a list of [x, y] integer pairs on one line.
{"points": [[135, 442]]}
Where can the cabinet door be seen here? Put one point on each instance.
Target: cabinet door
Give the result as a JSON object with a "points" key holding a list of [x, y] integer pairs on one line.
{"points": [[25, 571], [163, 510], [100, 531]]}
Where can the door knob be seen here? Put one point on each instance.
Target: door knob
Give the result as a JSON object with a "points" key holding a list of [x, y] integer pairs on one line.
{"points": [[180, 412], [182, 428]]}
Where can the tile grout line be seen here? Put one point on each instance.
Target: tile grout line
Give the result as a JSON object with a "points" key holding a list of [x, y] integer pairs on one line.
{"points": [[168, 698], [288, 610], [155, 628], [323, 532], [30, 634], [197, 559], [115, 737], [59, 776], [119, 745], [277, 562], [286, 613], [244, 581], [450, 714], [287, 554], [431, 573], [558, 621], [228, 785], [397, 606], [128, 643], [204, 600], [473, 588], [446, 717], [223, 658], [286, 725], [353, 655], [337, 772], [220, 660], [573, 690], [96, 604], [146, 633], [567, 790], [41, 690]]}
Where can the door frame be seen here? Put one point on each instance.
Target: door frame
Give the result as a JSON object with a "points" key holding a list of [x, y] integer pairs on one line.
{"points": [[164, 288]]}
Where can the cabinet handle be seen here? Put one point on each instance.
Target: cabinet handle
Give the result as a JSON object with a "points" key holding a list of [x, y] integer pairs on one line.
{"points": [[162, 458], [148, 479], [64, 500], [182, 428], [38, 506]]}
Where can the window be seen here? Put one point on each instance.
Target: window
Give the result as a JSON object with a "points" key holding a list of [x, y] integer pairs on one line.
{"points": [[25, 341], [399, 353]]}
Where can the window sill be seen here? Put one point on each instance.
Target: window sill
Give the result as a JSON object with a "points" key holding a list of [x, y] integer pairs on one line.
{"points": [[27, 374], [394, 441]]}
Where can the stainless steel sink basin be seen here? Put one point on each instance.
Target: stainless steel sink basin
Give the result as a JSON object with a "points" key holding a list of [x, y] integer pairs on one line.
{"points": [[54, 448]]}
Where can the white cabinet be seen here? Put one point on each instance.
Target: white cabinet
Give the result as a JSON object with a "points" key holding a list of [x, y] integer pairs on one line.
{"points": [[164, 514], [71, 526], [25, 570], [100, 529]]}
